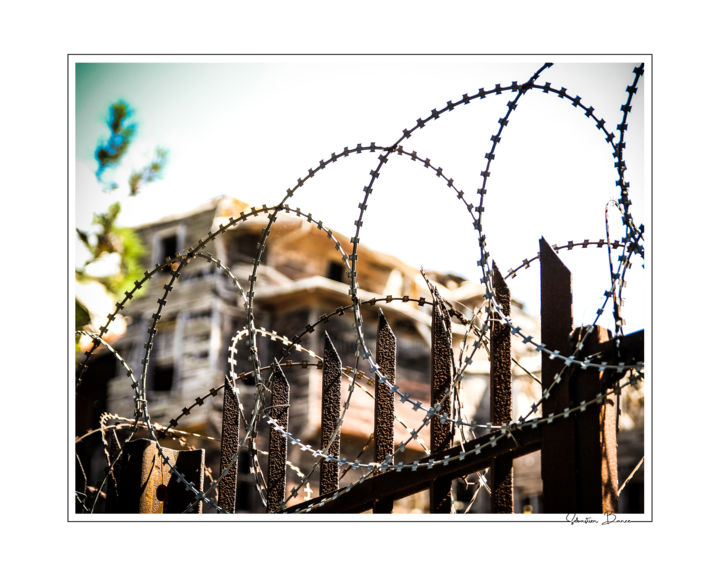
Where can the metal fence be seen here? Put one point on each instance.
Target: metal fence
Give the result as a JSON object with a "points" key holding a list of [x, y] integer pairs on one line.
{"points": [[573, 425]]}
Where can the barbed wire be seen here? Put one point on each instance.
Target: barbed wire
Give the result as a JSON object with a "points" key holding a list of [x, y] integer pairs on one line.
{"points": [[475, 335]]}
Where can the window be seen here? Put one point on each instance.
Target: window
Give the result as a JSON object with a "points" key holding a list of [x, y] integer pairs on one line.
{"points": [[167, 243], [163, 377], [243, 245], [336, 271], [204, 314], [168, 247]]}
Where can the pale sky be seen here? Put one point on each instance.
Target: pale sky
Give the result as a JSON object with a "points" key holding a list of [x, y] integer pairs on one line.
{"points": [[251, 127]]}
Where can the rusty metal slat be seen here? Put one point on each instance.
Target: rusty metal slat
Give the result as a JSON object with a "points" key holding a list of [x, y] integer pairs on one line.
{"points": [[441, 377], [398, 484], [229, 444], [277, 444], [331, 378], [595, 430], [386, 350], [146, 484], [501, 472], [556, 324]]}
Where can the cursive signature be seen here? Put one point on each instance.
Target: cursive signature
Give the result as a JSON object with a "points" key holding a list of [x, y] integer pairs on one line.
{"points": [[573, 519], [608, 518], [612, 519]]}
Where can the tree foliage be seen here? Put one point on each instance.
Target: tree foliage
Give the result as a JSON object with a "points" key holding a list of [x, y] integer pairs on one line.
{"points": [[110, 152], [153, 171], [106, 240]]}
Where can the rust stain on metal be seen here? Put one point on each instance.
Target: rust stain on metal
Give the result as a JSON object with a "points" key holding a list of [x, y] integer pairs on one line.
{"points": [[331, 377], [501, 475], [146, 484], [595, 430], [229, 443], [386, 350], [279, 410], [441, 377]]}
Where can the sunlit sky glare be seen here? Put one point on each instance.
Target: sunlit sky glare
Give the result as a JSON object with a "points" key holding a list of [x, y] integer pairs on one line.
{"points": [[251, 127]]}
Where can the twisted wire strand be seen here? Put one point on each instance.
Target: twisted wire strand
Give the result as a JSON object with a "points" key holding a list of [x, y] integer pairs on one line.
{"points": [[630, 245]]}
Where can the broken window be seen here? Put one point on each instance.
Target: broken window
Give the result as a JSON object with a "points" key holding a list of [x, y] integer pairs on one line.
{"points": [[168, 247], [161, 371], [336, 271], [167, 244], [243, 247]]}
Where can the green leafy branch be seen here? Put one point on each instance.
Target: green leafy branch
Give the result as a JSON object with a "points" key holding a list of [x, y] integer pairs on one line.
{"points": [[107, 238]]}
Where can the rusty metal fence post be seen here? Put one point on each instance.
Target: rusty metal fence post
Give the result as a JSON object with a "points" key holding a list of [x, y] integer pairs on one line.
{"points": [[331, 377], [386, 349], [501, 470], [579, 454], [441, 378], [556, 324], [595, 429], [229, 444], [277, 444]]}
